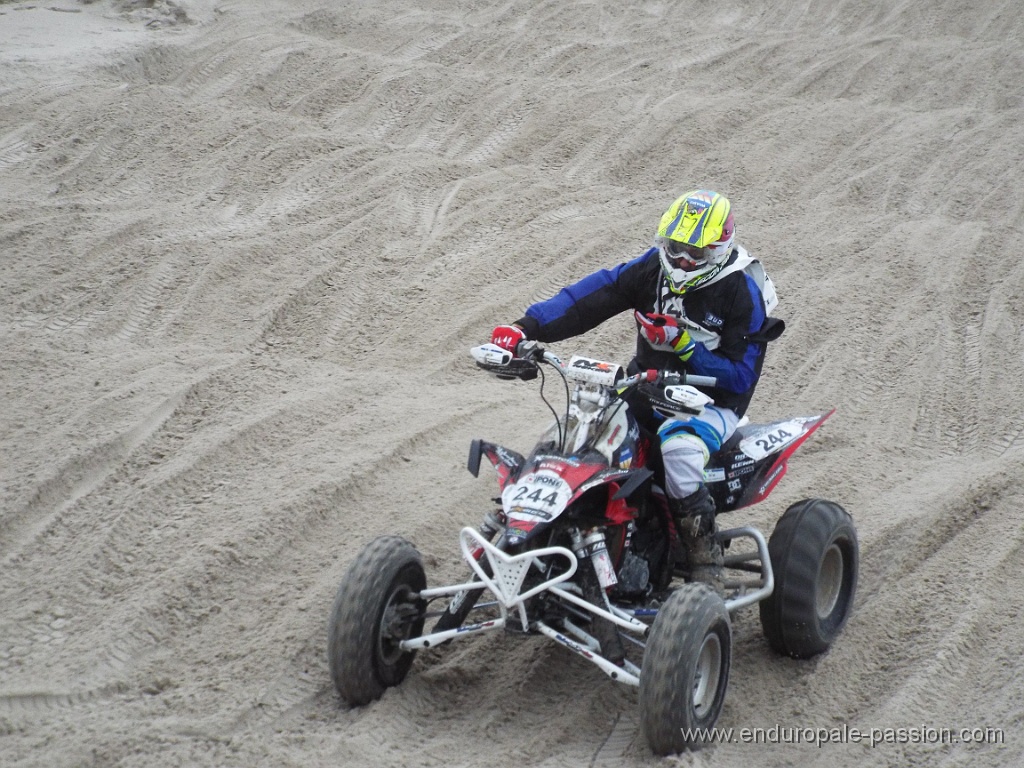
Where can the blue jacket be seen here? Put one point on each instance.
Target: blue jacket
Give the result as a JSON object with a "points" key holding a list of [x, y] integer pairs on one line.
{"points": [[731, 307]]}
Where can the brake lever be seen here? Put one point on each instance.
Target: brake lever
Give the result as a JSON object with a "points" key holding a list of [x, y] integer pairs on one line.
{"points": [[529, 350], [669, 378]]}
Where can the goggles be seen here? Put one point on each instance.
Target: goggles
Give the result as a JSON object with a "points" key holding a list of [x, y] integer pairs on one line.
{"points": [[685, 256]]}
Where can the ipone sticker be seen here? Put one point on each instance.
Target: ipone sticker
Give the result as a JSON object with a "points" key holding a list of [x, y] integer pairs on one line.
{"points": [[540, 495]]}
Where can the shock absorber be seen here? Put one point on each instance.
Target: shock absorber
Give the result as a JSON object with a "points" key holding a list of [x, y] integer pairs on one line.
{"points": [[595, 547], [605, 632], [493, 523]]}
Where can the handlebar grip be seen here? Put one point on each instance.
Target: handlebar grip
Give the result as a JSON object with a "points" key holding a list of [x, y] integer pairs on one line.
{"points": [[673, 377], [529, 349], [700, 381]]}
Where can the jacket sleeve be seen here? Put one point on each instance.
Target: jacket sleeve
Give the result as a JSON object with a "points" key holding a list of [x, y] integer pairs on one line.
{"points": [[735, 362], [586, 304]]}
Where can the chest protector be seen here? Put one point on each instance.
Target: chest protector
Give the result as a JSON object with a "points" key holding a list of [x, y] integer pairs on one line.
{"points": [[671, 303]]}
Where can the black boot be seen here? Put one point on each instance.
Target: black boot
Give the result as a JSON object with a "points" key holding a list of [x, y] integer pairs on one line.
{"points": [[694, 517]]}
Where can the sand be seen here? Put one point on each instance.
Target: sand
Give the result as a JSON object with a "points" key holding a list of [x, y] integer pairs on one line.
{"points": [[246, 246]]}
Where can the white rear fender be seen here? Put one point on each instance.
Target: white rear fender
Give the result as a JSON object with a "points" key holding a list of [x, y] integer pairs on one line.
{"points": [[761, 440]]}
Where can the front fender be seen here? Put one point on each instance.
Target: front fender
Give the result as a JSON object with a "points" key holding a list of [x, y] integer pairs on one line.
{"points": [[505, 461], [628, 481], [622, 484]]}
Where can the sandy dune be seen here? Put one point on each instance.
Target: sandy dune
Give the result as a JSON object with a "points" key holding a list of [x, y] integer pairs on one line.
{"points": [[245, 247]]}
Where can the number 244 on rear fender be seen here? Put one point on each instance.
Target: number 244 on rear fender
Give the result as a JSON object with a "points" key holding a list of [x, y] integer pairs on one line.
{"points": [[770, 446]]}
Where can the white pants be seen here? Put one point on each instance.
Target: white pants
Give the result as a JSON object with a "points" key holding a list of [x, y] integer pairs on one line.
{"points": [[687, 444]]}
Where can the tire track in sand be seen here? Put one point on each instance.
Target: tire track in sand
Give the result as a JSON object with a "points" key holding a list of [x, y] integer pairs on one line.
{"points": [[300, 686], [13, 150], [77, 479]]}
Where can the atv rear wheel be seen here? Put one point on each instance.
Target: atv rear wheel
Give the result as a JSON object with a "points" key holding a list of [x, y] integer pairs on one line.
{"points": [[686, 669], [815, 557], [376, 607]]}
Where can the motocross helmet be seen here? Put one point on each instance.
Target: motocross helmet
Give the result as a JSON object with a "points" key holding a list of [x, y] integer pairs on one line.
{"points": [[694, 239]]}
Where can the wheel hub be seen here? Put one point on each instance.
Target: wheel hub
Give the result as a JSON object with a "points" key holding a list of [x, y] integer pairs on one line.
{"points": [[830, 581], [706, 674]]}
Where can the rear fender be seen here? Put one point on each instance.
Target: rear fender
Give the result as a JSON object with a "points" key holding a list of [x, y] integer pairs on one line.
{"points": [[774, 463]]}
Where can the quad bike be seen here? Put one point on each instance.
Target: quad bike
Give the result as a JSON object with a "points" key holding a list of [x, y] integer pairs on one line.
{"points": [[584, 551]]}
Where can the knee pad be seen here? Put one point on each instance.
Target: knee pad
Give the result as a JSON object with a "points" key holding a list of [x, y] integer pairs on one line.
{"points": [[684, 456], [684, 446], [705, 433]]}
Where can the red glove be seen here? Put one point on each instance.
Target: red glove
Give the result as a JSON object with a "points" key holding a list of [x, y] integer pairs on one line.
{"points": [[508, 337], [663, 333]]}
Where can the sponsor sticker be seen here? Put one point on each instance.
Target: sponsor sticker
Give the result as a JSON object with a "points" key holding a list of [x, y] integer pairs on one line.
{"points": [[771, 438], [539, 495]]}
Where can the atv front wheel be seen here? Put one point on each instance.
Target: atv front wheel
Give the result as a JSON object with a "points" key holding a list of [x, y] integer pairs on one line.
{"points": [[814, 556], [685, 669], [376, 607]]}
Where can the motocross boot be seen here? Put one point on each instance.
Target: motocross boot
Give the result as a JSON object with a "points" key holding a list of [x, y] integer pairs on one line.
{"points": [[694, 516]]}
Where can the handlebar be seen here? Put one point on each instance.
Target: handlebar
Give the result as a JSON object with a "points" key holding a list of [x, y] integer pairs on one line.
{"points": [[670, 378], [532, 350], [529, 353]]}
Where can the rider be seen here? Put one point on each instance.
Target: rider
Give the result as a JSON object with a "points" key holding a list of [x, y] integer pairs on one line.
{"points": [[697, 310]]}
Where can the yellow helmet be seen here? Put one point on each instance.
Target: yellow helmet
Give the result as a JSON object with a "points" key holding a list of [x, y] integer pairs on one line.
{"points": [[695, 238]]}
